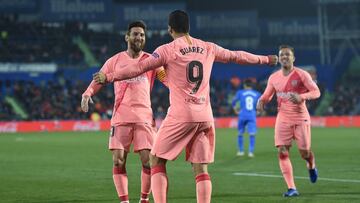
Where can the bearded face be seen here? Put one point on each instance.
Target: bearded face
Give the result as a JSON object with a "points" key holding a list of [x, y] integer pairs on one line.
{"points": [[136, 39]]}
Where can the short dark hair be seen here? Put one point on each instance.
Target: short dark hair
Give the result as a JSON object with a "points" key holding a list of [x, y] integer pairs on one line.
{"points": [[248, 82], [138, 23], [179, 21], [285, 46]]}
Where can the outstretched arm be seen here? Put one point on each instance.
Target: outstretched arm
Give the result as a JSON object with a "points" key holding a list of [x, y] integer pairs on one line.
{"points": [[133, 71], [94, 87], [242, 57], [157, 59]]}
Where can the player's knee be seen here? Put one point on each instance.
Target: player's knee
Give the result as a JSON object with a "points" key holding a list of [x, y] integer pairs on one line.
{"points": [[145, 159], [154, 160], [119, 161], [199, 168], [146, 166], [283, 155]]}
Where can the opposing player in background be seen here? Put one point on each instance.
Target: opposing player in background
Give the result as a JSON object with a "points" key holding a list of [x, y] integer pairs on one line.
{"points": [[189, 123], [132, 120], [247, 116], [292, 86]]}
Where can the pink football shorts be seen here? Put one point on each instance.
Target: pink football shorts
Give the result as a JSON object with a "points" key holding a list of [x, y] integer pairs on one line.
{"points": [[198, 138], [141, 135], [300, 132]]}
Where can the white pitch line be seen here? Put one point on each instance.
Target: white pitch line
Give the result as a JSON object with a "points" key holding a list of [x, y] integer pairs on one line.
{"points": [[297, 177]]}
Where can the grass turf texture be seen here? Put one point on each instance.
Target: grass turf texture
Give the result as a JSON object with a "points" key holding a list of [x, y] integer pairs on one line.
{"points": [[77, 167]]}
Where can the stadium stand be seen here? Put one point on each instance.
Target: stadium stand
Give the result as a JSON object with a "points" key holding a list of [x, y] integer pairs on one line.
{"points": [[75, 44]]}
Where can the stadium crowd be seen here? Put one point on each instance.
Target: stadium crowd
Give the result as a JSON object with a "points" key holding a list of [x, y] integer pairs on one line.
{"points": [[60, 99], [56, 42], [346, 99]]}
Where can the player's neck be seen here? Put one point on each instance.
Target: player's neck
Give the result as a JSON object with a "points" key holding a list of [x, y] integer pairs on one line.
{"points": [[287, 69], [178, 35], [133, 54], [186, 35]]}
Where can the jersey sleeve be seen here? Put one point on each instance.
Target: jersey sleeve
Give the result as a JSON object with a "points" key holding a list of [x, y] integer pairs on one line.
{"points": [[157, 59], [94, 87], [268, 93], [313, 90], [240, 57], [161, 76]]}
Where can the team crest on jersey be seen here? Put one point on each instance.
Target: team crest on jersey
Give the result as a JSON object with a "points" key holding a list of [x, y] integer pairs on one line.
{"points": [[294, 83]]}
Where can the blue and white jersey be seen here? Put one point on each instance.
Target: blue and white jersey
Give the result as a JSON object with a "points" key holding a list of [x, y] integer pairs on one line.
{"points": [[248, 99]]}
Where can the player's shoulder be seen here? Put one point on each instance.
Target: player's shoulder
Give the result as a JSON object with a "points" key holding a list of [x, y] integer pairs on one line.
{"points": [[299, 70], [302, 73], [162, 49], [240, 91], [197, 40], [116, 56], [275, 74], [194, 42], [110, 61], [208, 44], [171, 44], [252, 92]]}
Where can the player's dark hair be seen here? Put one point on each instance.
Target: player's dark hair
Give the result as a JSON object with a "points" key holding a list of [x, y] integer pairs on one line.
{"points": [[179, 21], [248, 82], [138, 23], [285, 46]]}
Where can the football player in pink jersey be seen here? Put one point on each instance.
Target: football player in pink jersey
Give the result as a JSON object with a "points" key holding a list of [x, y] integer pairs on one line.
{"points": [[189, 123], [132, 120], [292, 86]]}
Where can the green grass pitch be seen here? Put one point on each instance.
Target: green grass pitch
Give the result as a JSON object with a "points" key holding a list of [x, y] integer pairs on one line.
{"points": [[77, 167]]}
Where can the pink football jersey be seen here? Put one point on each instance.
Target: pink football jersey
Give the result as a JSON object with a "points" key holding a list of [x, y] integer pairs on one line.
{"points": [[132, 97], [188, 63], [298, 81]]}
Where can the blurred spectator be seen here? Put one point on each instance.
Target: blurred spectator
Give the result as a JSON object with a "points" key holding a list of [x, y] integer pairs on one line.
{"points": [[58, 99], [54, 42], [346, 97]]}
